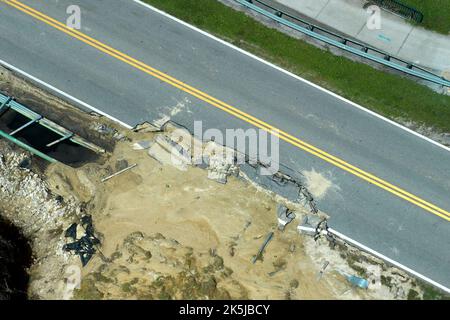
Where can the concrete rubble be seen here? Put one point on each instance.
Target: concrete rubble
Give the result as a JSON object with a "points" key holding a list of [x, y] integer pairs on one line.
{"points": [[175, 146], [26, 201], [284, 215], [142, 145], [278, 183]]}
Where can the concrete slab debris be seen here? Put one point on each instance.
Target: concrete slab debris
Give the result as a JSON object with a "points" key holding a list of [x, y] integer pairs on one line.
{"points": [[285, 216], [160, 123], [221, 162], [168, 152], [146, 127], [276, 183], [142, 145]]}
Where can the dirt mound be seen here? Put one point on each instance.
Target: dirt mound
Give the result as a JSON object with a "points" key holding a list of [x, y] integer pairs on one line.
{"points": [[153, 267]]}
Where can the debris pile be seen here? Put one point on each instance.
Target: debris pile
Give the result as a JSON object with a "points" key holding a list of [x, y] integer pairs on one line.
{"points": [[175, 146], [83, 246]]}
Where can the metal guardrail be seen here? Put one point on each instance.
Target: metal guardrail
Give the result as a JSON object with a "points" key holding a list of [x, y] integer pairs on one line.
{"points": [[27, 147], [399, 8], [7, 103], [339, 41]]}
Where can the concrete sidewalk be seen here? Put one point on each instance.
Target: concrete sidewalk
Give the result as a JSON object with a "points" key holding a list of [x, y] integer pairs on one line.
{"points": [[396, 36]]}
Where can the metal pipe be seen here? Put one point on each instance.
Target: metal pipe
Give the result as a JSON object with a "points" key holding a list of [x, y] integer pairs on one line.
{"points": [[26, 125], [59, 140], [119, 172], [263, 247]]}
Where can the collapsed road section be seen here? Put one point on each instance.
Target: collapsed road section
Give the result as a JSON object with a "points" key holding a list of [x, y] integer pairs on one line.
{"points": [[195, 232]]}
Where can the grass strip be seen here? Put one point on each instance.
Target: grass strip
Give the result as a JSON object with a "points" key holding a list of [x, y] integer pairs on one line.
{"points": [[436, 14], [387, 94]]}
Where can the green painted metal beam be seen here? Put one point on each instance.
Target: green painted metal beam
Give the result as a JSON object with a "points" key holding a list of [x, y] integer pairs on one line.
{"points": [[4, 105], [27, 147], [48, 124]]}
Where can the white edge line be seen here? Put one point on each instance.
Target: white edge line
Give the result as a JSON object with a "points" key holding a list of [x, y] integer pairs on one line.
{"points": [[389, 260], [62, 93], [340, 235], [291, 74]]}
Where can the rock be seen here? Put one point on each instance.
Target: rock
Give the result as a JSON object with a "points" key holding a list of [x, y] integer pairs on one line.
{"points": [[221, 162], [119, 136], [25, 163], [89, 186], [103, 129], [294, 284], [142, 145], [42, 218], [121, 164]]}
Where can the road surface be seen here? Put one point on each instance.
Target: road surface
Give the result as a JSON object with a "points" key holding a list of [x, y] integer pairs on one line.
{"points": [[401, 228]]}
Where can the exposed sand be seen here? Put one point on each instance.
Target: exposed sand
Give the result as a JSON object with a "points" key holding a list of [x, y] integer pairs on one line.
{"points": [[231, 219], [317, 183]]}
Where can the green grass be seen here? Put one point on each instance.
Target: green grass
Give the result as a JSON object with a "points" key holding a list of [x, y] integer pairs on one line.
{"points": [[436, 13], [431, 293], [387, 94]]}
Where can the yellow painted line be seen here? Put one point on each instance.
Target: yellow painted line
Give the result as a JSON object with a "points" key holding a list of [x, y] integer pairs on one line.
{"points": [[232, 110], [207, 98]]}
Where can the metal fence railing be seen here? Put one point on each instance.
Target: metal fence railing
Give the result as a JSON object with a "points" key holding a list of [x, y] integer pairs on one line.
{"points": [[340, 41], [8, 103], [399, 8]]}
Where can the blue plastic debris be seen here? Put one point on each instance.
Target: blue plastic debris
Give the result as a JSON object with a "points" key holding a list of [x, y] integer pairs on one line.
{"points": [[357, 281]]}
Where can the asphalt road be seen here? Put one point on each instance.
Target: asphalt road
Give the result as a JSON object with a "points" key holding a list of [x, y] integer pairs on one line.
{"points": [[378, 219]]}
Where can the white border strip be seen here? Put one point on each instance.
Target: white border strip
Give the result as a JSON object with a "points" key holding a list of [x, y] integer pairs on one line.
{"points": [[291, 74], [389, 260], [62, 93], [340, 235]]}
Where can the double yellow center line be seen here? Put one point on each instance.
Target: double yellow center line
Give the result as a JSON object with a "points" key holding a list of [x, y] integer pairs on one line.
{"points": [[232, 110]]}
